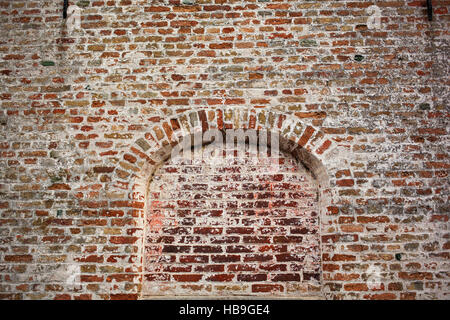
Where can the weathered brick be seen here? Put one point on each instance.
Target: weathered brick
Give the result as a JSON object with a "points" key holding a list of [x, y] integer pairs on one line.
{"points": [[89, 183]]}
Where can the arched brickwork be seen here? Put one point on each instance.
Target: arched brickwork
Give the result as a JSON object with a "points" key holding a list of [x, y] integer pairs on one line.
{"points": [[133, 174], [239, 223]]}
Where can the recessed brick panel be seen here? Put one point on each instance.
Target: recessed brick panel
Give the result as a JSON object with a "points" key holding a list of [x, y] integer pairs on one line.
{"points": [[235, 226]]}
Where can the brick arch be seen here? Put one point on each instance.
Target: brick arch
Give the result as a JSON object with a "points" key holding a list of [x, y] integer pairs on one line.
{"points": [[154, 146], [132, 176]]}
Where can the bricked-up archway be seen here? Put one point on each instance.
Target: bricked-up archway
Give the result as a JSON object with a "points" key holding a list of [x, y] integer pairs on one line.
{"points": [[306, 144], [243, 222]]}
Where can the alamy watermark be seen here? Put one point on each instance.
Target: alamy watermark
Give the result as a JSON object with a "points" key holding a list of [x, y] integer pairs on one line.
{"points": [[373, 277], [74, 18], [374, 19], [217, 147], [207, 146]]}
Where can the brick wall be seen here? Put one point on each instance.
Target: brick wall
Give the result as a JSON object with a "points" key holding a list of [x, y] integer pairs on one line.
{"points": [[90, 116], [232, 226]]}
